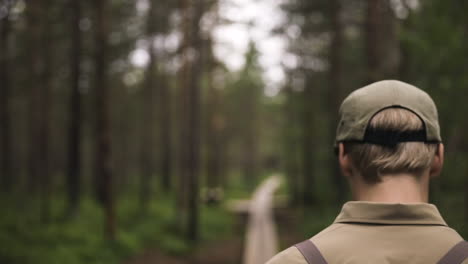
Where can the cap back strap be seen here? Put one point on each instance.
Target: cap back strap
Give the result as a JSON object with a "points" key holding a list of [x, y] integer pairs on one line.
{"points": [[310, 252], [391, 138], [456, 255]]}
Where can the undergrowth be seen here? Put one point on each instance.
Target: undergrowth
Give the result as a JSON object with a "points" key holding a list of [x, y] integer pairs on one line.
{"points": [[25, 239]]}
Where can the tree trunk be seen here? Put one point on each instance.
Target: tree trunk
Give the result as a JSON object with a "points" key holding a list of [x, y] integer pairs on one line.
{"points": [[74, 133], [251, 130], [195, 70], [103, 144], [6, 180], [215, 131], [35, 67], [308, 143], [382, 46], [182, 99], [44, 111], [164, 103], [335, 91], [215, 127], [404, 67], [39, 105], [147, 128], [290, 150]]}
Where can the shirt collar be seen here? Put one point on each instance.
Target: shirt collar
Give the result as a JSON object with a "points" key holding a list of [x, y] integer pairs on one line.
{"points": [[391, 214]]}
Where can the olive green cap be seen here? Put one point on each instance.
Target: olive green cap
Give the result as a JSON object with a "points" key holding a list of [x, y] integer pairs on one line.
{"points": [[360, 106]]}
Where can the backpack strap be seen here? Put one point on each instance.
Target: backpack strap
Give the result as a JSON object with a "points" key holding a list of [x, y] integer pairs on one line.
{"points": [[312, 255], [456, 255], [310, 252]]}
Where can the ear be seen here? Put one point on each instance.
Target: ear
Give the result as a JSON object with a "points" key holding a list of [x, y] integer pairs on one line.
{"points": [[344, 161], [437, 162]]}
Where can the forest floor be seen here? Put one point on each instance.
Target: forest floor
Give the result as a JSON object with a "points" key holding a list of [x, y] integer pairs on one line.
{"points": [[231, 250], [226, 251]]}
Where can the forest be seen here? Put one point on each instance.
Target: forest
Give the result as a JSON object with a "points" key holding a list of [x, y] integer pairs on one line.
{"points": [[132, 131]]}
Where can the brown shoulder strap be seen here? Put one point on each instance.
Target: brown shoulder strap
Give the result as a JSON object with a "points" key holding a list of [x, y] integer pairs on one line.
{"points": [[313, 256], [310, 252], [456, 255]]}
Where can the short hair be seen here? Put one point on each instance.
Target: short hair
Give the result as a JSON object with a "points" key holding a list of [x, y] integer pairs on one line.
{"points": [[374, 161]]}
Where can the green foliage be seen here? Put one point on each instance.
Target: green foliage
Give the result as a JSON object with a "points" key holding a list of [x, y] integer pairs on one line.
{"points": [[317, 218], [433, 39], [24, 239]]}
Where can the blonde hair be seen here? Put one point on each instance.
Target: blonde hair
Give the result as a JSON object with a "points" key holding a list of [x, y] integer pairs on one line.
{"points": [[373, 161]]}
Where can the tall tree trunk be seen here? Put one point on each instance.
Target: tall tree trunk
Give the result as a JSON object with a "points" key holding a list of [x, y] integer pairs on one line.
{"points": [[465, 129], [466, 181], [44, 110], [195, 13], [6, 180], [164, 109], [308, 143], [103, 144], [74, 133], [182, 109], [250, 136], [215, 130], [35, 66], [39, 25], [215, 125], [147, 128], [164, 103], [335, 91], [290, 150], [404, 67], [372, 21], [382, 46], [215, 146]]}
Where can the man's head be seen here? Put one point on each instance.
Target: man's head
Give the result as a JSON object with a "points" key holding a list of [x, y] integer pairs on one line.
{"points": [[389, 128]]}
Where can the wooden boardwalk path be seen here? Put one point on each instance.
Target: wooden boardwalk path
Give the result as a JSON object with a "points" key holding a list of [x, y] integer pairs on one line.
{"points": [[261, 241]]}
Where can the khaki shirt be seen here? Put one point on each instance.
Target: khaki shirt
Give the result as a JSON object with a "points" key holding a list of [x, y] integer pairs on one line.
{"points": [[366, 232]]}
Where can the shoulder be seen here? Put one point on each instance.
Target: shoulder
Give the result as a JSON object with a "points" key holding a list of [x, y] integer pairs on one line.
{"points": [[292, 255], [288, 256]]}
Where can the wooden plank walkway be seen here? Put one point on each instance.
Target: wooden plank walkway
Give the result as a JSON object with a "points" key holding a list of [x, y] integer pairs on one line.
{"points": [[261, 241]]}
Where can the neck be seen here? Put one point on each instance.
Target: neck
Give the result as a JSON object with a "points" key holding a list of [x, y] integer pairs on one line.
{"points": [[395, 188]]}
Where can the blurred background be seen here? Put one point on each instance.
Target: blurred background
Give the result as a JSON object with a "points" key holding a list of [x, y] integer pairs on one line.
{"points": [[128, 127]]}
